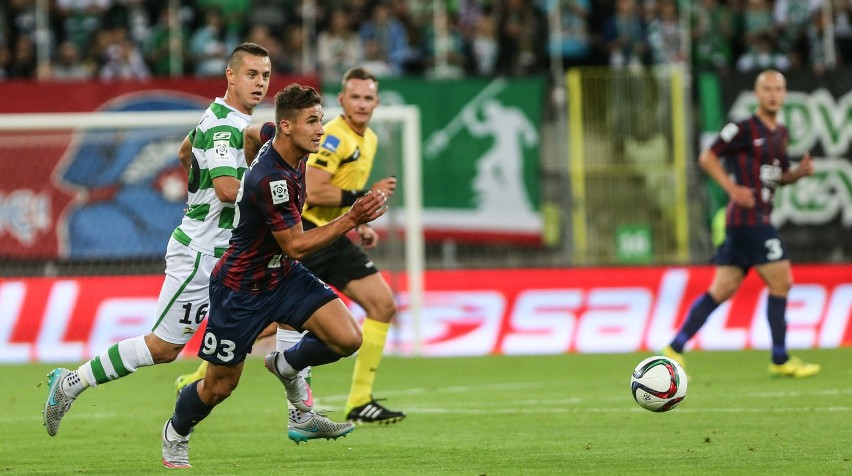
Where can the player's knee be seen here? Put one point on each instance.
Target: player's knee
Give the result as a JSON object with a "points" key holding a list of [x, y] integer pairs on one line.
{"points": [[387, 310], [220, 390], [780, 288], [164, 354], [350, 343]]}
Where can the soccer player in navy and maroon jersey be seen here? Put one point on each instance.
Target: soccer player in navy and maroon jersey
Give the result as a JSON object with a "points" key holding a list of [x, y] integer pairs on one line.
{"points": [[755, 152], [259, 281]]}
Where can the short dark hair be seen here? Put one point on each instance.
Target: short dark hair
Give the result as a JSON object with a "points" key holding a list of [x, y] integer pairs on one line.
{"points": [[246, 48], [358, 72], [293, 99]]}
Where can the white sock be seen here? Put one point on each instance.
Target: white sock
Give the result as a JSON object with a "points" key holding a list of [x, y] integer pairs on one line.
{"points": [[298, 416], [74, 384], [286, 338], [283, 367], [173, 435], [118, 361]]}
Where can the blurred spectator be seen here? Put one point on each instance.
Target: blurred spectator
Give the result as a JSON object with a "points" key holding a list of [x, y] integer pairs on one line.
{"points": [[664, 34], [792, 19], [484, 47], [123, 60], [271, 13], [81, 19], [522, 37], [763, 55], [414, 36], [375, 60], [389, 34], [262, 35], [233, 14], [293, 56], [19, 19], [167, 34], [712, 30], [68, 64], [574, 42], [815, 43], [443, 54], [842, 10], [624, 35], [5, 59], [338, 47], [23, 62], [757, 23], [210, 45], [132, 15]]}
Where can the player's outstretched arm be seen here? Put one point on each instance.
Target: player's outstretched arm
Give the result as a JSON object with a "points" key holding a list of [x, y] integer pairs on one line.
{"points": [[322, 193], [298, 243]]}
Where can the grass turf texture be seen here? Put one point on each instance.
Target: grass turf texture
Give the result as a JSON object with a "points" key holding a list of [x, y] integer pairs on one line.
{"points": [[567, 414]]}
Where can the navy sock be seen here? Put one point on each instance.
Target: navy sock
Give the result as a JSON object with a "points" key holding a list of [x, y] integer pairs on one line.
{"points": [[699, 311], [776, 308], [310, 351], [189, 409]]}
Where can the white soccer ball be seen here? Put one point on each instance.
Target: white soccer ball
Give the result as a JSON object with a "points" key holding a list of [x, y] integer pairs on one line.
{"points": [[658, 384]]}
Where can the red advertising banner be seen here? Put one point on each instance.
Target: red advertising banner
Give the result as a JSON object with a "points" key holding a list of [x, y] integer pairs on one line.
{"points": [[466, 312], [97, 193]]}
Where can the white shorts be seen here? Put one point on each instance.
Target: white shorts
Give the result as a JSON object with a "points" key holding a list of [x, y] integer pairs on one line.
{"points": [[185, 297]]}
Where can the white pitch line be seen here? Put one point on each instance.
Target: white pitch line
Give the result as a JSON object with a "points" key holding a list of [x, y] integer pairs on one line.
{"points": [[530, 411]]}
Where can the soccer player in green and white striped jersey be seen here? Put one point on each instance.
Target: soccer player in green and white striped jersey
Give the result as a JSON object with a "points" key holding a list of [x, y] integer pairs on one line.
{"points": [[215, 166]]}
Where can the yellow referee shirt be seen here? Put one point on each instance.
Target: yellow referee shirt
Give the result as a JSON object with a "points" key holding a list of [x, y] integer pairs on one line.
{"points": [[348, 157]]}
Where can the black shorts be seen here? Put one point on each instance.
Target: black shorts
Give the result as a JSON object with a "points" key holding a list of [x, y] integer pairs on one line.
{"points": [[746, 246], [339, 262], [236, 318]]}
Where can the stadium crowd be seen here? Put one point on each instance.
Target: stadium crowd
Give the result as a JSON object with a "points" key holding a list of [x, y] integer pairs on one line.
{"points": [[135, 39]]}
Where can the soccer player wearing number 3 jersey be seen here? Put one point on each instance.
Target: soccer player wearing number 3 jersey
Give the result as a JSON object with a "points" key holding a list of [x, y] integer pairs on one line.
{"points": [[215, 164], [259, 280], [755, 152]]}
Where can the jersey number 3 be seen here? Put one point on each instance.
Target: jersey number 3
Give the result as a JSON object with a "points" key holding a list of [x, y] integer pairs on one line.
{"points": [[774, 250]]}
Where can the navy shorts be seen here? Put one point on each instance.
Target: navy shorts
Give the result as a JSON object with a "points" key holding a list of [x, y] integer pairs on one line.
{"points": [[746, 246], [339, 262], [236, 318]]}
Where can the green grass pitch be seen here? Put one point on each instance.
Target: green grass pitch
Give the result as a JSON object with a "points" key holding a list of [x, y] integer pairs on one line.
{"points": [[499, 415]]}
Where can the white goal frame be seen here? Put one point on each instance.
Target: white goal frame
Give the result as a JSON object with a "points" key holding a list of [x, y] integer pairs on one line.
{"points": [[407, 115]]}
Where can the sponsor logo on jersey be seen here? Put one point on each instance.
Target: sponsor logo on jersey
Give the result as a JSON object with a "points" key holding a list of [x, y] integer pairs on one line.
{"points": [[729, 131], [331, 143], [220, 148], [221, 136], [280, 194], [275, 262]]}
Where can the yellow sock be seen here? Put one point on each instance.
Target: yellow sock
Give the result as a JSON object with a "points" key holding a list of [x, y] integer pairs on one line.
{"points": [[375, 333], [202, 369]]}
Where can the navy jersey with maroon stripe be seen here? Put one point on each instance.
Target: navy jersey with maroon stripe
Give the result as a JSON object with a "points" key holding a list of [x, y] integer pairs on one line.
{"points": [[270, 199], [756, 157]]}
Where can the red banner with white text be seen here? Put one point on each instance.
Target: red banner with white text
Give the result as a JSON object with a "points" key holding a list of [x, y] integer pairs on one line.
{"points": [[466, 312]]}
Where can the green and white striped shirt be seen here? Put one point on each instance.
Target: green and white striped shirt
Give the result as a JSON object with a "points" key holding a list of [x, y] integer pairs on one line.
{"points": [[217, 149]]}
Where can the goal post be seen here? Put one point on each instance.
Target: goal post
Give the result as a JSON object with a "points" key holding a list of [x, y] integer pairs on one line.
{"points": [[26, 133]]}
